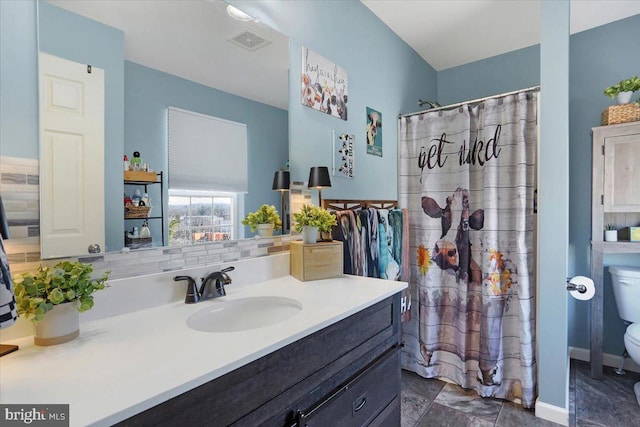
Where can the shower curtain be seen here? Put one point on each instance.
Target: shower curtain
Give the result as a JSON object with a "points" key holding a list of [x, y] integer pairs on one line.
{"points": [[467, 177]]}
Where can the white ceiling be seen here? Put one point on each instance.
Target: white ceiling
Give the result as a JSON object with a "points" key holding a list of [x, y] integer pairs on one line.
{"points": [[448, 33], [188, 38]]}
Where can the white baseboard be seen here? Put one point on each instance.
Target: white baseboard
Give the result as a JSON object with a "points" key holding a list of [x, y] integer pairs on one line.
{"points": [[552, 413], [607, 359]]}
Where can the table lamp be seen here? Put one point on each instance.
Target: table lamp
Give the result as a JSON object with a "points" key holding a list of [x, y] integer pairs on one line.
{"points": [[319, 178], [282, 183]]}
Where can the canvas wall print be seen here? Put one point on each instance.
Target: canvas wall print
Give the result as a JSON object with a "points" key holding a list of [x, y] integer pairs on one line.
{"points": [[374, 132], [343, 159], [324, 85]]}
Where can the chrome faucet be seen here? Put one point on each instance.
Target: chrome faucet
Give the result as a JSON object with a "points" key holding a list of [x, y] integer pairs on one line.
{"points": [[206, 291]]}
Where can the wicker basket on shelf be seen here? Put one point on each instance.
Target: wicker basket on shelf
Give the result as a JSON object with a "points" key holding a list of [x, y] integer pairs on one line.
{"points": [[131, 211], [624, 113]]}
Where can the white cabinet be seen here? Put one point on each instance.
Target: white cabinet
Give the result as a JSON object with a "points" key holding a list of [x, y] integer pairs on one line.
{"points": [[621, 171], [615, 199], [616, 177]]}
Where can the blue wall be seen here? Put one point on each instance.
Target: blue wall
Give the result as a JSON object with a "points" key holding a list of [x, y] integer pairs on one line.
{"points": [[149, 92], [83, 40], [510, 71], [18, 80], [599, 58], [384, 73]]}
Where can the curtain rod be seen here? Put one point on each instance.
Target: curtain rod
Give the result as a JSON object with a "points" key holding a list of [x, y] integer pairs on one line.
{"points": [[473, 101]]}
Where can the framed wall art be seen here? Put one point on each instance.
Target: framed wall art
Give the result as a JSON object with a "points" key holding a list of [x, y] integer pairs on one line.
{"points": [[343, 157], [374, 132], [324, 85]]}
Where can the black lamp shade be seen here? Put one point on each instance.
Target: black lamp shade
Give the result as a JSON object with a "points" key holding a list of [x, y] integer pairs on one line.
{"points": [[319, 177], [281, 181]]}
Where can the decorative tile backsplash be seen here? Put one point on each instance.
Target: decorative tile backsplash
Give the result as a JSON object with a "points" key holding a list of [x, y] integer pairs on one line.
{"points": [[19, 186], [145, 261]]}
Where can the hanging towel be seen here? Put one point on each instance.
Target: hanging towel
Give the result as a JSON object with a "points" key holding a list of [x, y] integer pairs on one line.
{"points": [[8, 309], [389, 267], [343, 233], [373, 251]]}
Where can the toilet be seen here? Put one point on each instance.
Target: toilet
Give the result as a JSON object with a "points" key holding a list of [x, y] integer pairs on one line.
{"points": [[626, 288]]}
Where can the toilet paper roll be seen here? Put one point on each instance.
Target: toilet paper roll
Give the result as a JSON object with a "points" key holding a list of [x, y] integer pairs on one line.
{"points": [[588, 283]]}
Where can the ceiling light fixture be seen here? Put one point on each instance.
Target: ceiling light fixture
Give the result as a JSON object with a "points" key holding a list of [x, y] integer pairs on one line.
{"points": [[238, 15]]}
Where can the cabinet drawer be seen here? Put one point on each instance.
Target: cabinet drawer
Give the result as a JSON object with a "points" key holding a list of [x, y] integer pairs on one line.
{"points": [[361, 400], [316, 261]]}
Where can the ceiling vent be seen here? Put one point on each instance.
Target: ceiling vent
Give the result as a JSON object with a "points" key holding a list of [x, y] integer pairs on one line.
{"points": [[249, 40]]}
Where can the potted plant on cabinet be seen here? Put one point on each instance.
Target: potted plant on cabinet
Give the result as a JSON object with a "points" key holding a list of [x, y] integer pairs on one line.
{"points": [[610, 233], [52, 297], [265, 220], [623, 90], [312, 219]]}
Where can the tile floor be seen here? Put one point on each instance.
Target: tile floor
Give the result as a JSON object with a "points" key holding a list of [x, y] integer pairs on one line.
{"points": [[610, 402]]}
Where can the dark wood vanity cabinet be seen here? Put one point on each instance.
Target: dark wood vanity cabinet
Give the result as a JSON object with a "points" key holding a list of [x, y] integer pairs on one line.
{"points": [[347, 374]]}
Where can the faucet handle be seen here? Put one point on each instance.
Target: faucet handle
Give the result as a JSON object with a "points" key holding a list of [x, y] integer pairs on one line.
{"points": [[193, 295], [224, 272]]}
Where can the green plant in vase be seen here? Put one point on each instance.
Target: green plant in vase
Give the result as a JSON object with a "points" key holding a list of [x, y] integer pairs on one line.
{"points": [[38, 293], [623, 90], [265, 215], [312, 218]]}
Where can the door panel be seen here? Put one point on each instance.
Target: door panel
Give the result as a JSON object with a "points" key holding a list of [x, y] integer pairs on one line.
{"points": [[71, 157]]}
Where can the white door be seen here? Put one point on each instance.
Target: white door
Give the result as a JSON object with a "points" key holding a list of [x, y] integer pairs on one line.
{"points": [[71, 157]]}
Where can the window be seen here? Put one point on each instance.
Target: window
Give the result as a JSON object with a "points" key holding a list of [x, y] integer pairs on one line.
{"points": [[201, 217], [206, 153]]}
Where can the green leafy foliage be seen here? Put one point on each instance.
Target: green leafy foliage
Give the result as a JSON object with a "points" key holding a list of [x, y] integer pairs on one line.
{"points": [[314, 216], [267, 214], [609, 227], [632, 84], [37, 293]]}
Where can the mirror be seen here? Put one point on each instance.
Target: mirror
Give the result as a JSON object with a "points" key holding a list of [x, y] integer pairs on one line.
{"points": [[186, 54]]}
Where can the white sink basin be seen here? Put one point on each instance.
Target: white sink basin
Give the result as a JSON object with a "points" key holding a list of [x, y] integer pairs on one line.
{"points": [[243, 314]]}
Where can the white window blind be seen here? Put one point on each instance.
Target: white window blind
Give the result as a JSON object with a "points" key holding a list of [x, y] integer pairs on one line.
{"points": [[206, 153]]}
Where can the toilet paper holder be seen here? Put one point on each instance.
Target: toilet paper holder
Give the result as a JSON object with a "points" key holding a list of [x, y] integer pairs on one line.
{"points": [[573, 287]]}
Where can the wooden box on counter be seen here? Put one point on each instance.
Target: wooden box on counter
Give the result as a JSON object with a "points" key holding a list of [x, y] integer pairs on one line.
{"points": [[322, 260]]}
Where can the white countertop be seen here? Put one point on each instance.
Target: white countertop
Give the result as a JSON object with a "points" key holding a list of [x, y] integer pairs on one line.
{"points": [[123, 365]]}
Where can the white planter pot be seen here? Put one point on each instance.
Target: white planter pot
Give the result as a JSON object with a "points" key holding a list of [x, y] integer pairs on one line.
{"points": [[610, 235], [265, 230], [309, 234], [60, 324], [624, 97]]}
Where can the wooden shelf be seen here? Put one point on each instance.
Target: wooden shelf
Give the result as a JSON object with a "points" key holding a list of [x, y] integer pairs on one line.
{"points": [[619, 246], [139, 177], [145, 179]]}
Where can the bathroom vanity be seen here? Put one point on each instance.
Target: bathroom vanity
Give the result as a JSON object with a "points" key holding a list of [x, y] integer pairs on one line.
{"points": [[337, 360], [348, 372]]}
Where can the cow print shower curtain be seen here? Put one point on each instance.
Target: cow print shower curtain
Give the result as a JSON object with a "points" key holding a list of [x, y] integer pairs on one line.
{"points": [[467, 177]]}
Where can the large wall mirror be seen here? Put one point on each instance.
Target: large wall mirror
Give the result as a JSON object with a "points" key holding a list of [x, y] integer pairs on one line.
{"points": [[191, 55]]}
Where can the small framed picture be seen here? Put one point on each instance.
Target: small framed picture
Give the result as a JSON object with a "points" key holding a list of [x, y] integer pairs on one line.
{"points": [[343, 156], [374, 132]]}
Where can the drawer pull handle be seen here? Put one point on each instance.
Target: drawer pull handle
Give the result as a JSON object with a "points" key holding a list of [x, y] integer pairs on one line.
{"points": [[359, 404]]}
